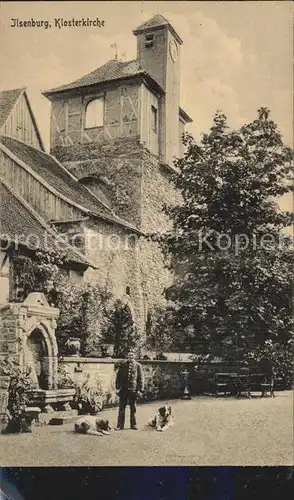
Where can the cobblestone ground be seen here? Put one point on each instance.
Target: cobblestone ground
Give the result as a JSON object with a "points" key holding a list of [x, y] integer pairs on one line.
{"points": [[207, 431]]}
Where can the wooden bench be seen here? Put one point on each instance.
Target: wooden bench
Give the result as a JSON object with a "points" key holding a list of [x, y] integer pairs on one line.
{"points": [[261, 382], [224, 383]]}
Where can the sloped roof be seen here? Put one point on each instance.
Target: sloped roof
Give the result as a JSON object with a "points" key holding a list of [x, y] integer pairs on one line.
{"points": [[58, 177], [20, 223], [157, 21], [154, 22], [111, 70], [185, 116], [8, 99]]}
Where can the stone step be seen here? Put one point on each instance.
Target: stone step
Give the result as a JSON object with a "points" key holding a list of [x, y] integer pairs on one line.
{"points": [[58, 417]]}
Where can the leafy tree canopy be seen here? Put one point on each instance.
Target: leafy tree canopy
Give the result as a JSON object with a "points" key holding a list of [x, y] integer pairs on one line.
{"points": [[230, 257]]}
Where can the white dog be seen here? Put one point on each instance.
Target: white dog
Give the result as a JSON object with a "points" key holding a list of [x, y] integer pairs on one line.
{"points": [[163, 419], [93, 426]]}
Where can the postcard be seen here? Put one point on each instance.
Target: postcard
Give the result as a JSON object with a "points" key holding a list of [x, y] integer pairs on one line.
{"points": [[145, 286]]}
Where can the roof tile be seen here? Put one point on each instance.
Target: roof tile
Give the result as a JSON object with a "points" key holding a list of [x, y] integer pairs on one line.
{"points": [[112, 70], [59, 178], [20, 223], [154, 22], [157, 21]]}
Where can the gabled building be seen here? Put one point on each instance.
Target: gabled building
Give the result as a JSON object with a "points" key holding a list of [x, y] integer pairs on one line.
{"points": [[17, 119], [114, 135]]}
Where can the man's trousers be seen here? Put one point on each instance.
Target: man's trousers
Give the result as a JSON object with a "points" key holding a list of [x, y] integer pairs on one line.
{"points": [[126, 397]]}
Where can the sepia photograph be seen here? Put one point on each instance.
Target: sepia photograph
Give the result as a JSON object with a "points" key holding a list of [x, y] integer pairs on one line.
{"points": [[146, 241]]}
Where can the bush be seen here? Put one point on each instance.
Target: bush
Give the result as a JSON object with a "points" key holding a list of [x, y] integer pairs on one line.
{"points": [[63, 379], [90, 396], [153, 383], [18, 399]]}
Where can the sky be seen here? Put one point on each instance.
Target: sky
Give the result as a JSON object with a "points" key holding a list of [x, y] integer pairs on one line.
{"points": [[236, 56]]}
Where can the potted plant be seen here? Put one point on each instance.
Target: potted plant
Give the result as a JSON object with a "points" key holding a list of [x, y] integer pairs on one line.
{"points": [[73, 346]]}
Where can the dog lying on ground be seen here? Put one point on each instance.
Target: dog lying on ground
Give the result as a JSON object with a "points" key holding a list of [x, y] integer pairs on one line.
{"points": [[93, 426], [163, 419]]}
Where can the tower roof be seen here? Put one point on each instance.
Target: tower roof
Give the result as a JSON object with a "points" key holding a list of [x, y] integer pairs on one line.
{"points": [[110, 71], [157, 21]]}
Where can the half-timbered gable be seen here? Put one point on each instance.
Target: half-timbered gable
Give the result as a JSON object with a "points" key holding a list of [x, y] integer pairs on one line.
{"points": [[103, 105], [17, 119]]}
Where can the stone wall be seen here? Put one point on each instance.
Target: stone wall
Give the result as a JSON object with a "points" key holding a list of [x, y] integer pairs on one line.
{"points": [[115, 253], [8, 346], [10, 330], [157, 191], [119, 162], [141, 188], [163, 379], [141, 185]]}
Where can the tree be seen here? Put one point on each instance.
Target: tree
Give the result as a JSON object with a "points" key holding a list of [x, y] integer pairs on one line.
{"points": [[122, 331], [231, 260], [158, 333]]}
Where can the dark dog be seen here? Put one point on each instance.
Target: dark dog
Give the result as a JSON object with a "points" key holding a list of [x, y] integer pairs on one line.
{"points": [[93, 426], [163, 419]]}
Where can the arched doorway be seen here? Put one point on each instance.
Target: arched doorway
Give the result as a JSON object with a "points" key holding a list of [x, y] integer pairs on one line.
{"points": [[37, 357]]}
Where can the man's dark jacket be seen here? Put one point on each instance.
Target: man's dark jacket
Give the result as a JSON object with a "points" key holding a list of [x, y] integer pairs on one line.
{"points": [[130, 377]]}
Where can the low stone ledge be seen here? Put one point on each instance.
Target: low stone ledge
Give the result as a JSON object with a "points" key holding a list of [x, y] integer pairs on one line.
{"points": [[83, 360]]}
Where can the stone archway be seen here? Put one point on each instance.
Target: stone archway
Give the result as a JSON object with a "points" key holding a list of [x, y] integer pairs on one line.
{"points": [[40, 348], [39, 355], [29, 333]]}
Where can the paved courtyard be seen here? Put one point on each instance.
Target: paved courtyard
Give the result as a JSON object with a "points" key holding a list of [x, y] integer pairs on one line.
{"points": [[208, 431]]}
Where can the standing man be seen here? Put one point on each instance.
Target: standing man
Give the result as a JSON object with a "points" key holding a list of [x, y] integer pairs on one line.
{"points": [[129, 385]]}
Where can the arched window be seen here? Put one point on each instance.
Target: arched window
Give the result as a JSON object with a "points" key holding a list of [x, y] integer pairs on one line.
{"points": [[94, 113]]}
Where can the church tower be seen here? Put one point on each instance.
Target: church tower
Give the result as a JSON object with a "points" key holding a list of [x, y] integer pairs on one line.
{"points": [[158, 53], [118, 130]]}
